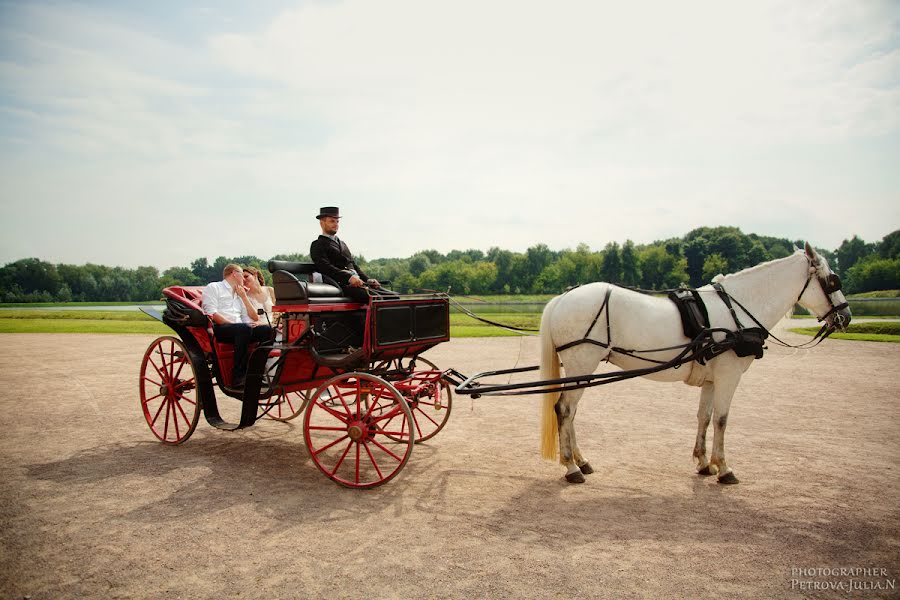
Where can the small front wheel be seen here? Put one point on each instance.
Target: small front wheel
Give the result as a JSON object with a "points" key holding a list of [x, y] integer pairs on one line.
{"points": [[431, 410], [168, 386], [357, 430]]}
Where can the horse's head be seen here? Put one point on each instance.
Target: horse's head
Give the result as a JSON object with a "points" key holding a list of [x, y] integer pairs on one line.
{"points": [[822, 293]]}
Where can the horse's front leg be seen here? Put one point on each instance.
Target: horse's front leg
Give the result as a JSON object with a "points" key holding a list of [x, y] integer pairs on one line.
{"points": [[704, 415], [723, 393], [569, 455]]}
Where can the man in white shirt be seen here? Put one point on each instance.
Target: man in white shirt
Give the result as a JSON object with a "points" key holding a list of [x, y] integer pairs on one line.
{"points": [[234, 318]]}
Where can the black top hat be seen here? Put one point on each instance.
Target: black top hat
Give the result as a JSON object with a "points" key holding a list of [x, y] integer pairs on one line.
{"points": [[329, 211]]}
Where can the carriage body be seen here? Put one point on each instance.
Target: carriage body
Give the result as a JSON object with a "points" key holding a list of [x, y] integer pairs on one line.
{"points": [[353, 370]]}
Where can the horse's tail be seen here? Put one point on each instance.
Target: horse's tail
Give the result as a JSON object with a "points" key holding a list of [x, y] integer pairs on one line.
{"points": [[549, 370]]}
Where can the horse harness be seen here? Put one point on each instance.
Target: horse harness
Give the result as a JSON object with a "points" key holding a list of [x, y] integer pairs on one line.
{"points": [[744, 341]]}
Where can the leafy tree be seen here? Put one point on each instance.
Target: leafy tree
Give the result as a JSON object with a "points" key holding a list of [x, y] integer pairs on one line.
{"points": [[713, 265], [503, 260], [536, 260], [144, 284], [889, 247], [851, 251], [32, 275], [661, 269], [695, 252], [873, 274], [631, 273], [178, 276], [418, 264], [757, 254], [611, 269]]}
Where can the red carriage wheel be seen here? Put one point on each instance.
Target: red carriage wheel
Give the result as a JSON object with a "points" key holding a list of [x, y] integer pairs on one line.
{"points": [[287, 405], [169, 396], [357, 430], [431, 408]]}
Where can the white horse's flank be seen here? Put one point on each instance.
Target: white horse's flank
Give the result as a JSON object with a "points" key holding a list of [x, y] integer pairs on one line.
{"points": [[642, 322]]}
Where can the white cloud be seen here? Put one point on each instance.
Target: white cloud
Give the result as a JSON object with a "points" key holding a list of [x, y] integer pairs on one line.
{"points": [[450, 125]]}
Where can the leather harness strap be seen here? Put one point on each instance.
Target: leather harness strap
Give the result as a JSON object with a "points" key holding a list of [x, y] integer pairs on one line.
{"points": [[586, 339]]}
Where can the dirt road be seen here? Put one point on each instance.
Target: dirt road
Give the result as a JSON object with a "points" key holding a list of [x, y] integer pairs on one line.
{"points": [[91, 506]]}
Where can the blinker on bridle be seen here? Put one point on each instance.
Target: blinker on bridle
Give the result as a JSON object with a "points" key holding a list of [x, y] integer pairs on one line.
{"points": [[829, 284]]}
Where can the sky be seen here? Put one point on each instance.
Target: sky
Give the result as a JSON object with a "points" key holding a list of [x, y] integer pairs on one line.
{"points": [[154, 133]]}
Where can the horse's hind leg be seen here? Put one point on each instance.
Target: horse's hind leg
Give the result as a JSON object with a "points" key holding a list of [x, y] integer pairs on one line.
{"points": [[569, 455], [704, 415]]}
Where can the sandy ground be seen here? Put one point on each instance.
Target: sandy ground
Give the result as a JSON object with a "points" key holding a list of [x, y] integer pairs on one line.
{"points": [[91, 506]]}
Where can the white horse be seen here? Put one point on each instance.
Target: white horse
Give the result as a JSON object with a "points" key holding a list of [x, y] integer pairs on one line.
{"points": [[641, 322]]}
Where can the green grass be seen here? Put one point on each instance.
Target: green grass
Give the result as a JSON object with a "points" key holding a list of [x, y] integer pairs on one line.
{"points": [[882, 331], [81, 326], [80, 321], [51, 304], [465, 326], [878, 294], [76, 315], [494, 298]]}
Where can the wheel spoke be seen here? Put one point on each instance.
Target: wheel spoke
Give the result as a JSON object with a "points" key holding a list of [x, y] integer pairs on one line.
{"points": [[158, 410], [148, 400], [342, 418], [165, 366], [335, 442], [166, 426], [159, 371], [387, 450], [181, 364], [175, 418], [181, 410], [156, 383], [356, 470], [183, 384], [424, 414], [341, 461], [374, 462]]}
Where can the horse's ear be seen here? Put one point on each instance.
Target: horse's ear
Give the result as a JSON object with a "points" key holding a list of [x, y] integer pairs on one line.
{"points": [[810, 252]]}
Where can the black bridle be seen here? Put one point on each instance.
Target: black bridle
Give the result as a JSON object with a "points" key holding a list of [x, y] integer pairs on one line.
{"points": [[829, 284]]}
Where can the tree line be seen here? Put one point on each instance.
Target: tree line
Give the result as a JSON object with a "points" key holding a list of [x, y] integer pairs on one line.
{"points": [[692, 259]]}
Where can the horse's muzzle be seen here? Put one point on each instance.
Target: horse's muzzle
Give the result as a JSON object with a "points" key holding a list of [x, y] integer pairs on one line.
{"points": [[840, 320]]}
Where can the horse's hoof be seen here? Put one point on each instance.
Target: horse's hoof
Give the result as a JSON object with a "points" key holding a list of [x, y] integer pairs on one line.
{"points": [[728, 479], [705, 471], [586, 468], [575, 477]]}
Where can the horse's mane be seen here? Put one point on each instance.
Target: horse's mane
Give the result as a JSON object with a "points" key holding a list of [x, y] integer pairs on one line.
{"points": [[749, 270]]}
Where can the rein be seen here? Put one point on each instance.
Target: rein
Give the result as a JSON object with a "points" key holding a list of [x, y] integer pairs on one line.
{"points": [[469, 313]]}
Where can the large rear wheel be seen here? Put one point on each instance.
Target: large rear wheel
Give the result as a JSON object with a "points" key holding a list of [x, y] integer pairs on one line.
{"points": [[168, 387], [356, 429]]}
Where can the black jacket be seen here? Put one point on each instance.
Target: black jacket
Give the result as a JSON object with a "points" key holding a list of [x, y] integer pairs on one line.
{"points": [[333, 259]]}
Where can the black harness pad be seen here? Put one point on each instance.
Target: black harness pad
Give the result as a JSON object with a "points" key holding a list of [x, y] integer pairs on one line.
{"points": [[750, 341], [694, 317]]}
